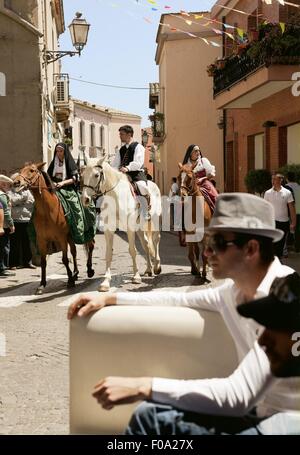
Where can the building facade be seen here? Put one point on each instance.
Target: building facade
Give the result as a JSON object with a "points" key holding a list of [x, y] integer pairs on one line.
{"points": [[259, 112], [184, 109], [95, 129], [29, 126]]}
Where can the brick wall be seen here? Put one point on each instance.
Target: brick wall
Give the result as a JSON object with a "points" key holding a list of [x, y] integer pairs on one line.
{"points": [[282, 108]]}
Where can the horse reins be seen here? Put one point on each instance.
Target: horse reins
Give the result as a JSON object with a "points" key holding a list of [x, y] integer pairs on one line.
{"points": [[97, 187], [31, 183], [190, 189]]}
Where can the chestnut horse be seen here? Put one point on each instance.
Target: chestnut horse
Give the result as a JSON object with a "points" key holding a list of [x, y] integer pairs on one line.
{"points": [[50, 223], [188, 186]]}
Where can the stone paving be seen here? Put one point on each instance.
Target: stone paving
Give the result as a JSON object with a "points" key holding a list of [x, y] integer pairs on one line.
{"points": [[34, 390]]}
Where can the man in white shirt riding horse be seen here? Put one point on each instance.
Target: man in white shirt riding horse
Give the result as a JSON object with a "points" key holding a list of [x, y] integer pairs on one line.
{"points": [[130, 159]]}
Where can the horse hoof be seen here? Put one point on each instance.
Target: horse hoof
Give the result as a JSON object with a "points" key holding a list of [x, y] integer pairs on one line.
{"points": [[71, 284], [148, 273], [39, 290], [90, 273], [157, 271], [195, 272], [136, 280], [103, 288]]}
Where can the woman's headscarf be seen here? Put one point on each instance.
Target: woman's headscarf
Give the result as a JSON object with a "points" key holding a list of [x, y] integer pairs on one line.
{"points": [[71, 168], [188, 153]]}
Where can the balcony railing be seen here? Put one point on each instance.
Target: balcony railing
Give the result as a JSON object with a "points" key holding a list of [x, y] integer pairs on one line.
{"points": [[153, 94], [239, 68], [158, 127]]}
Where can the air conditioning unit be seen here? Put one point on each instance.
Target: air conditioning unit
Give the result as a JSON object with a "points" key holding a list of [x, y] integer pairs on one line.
{"points": [[61, 90]]}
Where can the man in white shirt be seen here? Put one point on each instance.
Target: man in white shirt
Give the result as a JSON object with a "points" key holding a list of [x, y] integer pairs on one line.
{"points": [[295, 189], [280, 314], [239, 247], [130, 159], [174, 201], [283, 202]]}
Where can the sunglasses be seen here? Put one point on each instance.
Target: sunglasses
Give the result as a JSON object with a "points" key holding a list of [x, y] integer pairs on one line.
{"points": [[217, 244]]}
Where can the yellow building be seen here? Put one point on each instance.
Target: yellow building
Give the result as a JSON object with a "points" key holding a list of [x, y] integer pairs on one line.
{"points": [[185, 112]]}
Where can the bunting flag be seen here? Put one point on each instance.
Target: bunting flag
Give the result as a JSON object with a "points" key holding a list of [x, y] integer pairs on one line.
{"points": [[240, 32], [199, 19], [282, 26]]}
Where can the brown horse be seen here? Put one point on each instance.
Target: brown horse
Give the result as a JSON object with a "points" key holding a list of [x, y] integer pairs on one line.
{"points": [[189, 187], [49, 222]]}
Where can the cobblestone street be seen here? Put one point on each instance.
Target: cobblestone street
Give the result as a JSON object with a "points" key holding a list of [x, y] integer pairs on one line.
{"points": [[34, 394]]}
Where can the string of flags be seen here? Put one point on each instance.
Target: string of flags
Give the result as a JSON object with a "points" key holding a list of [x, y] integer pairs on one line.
{"points": [[233, 32]]}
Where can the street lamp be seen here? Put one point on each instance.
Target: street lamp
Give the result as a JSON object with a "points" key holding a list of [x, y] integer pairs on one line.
{"points": [[79, 29], [145, 138]]}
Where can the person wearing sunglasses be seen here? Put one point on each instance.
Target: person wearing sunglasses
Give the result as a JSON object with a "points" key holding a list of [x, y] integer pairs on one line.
{"points": [[240, 250], [279, 313]]}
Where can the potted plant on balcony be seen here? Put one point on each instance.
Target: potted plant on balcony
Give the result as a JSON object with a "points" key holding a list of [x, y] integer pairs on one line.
{"points": [[211, 69], [157, 120]]}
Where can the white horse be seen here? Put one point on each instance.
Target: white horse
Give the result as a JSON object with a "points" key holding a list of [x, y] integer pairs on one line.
{"points": [[120, 210]]}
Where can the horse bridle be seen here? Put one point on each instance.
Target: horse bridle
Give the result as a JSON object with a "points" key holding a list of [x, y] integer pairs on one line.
{"points": [[96, 189], [30, 183], [189, 190]]}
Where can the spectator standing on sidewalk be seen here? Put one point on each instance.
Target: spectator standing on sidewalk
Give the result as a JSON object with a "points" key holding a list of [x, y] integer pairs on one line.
{"points": [[21, 211], [294, 187], [283, 203], [1, 220], [8, 226], [173, 199]]}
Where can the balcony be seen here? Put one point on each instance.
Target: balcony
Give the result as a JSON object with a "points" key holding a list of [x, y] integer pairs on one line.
{"points": [[245, 81], [61, 97], [158, 127], [264, 67], [153, 95]]}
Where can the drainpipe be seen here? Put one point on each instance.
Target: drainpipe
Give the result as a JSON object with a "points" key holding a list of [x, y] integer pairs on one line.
{"points": [[224, 113], [224, 147]]}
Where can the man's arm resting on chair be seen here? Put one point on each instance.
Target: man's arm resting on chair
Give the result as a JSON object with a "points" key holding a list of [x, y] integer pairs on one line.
{"points": [[112, 391]]}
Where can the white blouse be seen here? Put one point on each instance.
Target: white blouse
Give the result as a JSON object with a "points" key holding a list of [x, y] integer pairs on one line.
{"points": [[204, 163]]}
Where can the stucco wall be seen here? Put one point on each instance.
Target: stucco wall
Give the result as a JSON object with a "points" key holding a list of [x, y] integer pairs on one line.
{"points": [[20, 119], [110, 122], [186, 100], [27, 9]]}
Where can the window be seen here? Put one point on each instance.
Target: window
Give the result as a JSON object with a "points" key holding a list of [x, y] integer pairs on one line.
{"points": [[7, 4], [102, 136], [92, 135], [81, 133]]}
